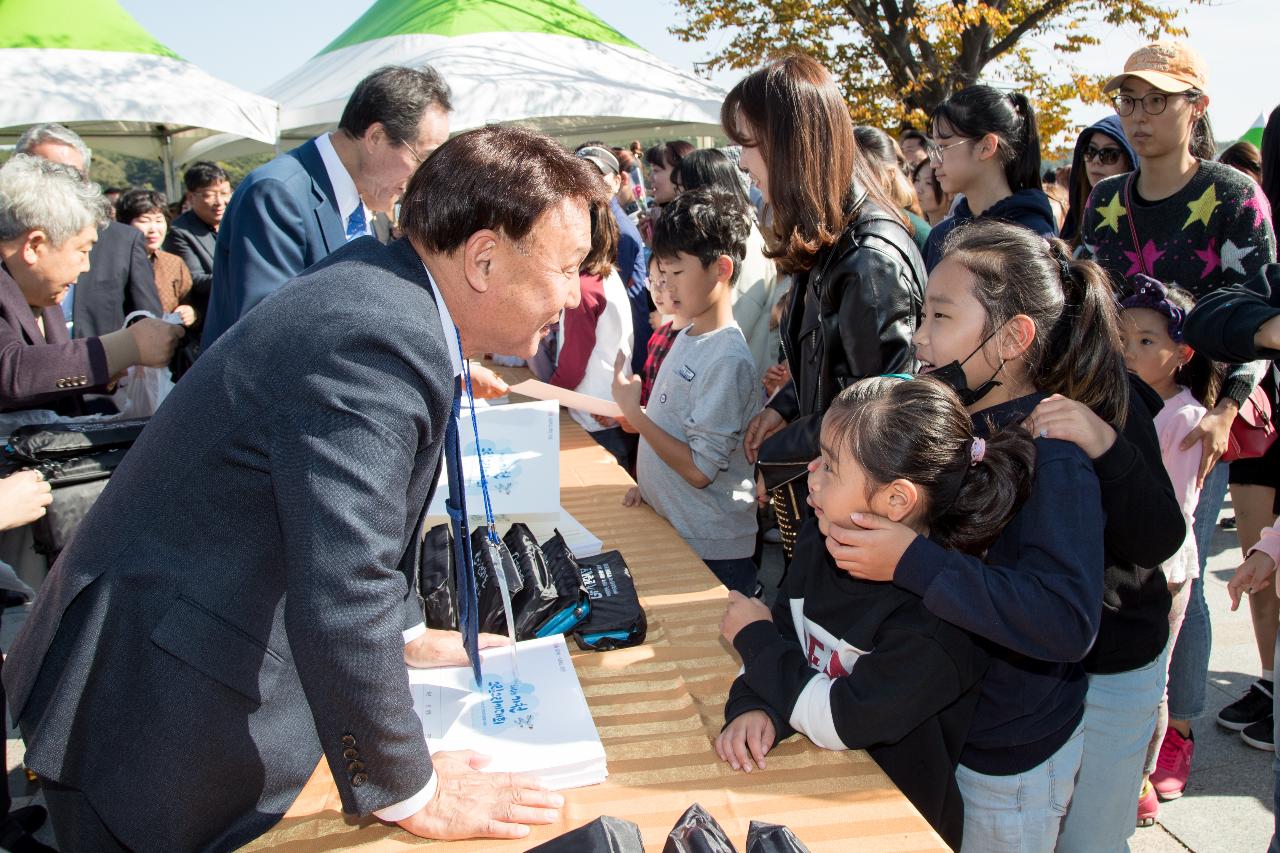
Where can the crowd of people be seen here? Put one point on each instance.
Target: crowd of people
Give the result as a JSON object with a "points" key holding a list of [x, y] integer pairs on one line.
{"points": [[991, 411]]}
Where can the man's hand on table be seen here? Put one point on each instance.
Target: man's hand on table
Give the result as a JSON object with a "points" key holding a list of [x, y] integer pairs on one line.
{"points": [[472, 804], [444, 648], [747, 737]]}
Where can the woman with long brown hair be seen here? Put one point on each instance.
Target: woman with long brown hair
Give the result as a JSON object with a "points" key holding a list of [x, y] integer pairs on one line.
{"points": [[858, 277]]}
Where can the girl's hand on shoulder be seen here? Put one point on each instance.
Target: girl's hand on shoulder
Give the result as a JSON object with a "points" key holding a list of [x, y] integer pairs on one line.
{"points": [[1067, 420], [870, 547], [740, 613], [746, 740]]}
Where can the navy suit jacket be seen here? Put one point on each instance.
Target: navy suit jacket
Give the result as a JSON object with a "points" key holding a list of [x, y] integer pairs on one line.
{"points": [[282, 219], [232, 607], [43, 370], [120, 281]]}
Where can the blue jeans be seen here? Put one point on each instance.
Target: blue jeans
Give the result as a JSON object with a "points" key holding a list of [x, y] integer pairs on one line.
{"points": [[1021, 813], [739, 574], [1119, 718], [1189, 666]]}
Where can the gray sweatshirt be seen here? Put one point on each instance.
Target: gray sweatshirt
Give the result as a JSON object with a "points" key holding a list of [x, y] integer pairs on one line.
{"points": [[706, 392]]}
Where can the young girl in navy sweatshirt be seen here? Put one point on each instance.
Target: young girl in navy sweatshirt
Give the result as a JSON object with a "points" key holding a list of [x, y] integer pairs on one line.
{"points": [[855, 664], [999, 297]]}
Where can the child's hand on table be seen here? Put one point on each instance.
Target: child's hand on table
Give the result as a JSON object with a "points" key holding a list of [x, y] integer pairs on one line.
{"points": [[740, 613], [633, 497], [747, 737]]}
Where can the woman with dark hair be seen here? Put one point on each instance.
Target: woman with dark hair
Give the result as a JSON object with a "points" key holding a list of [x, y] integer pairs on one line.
{"points": [[935, 202], [1186, 219], [662, 160], [754, 291], [888, 159], [987, 148], [858, 277], [1243, 157], [148, 211], [1101, 151]]}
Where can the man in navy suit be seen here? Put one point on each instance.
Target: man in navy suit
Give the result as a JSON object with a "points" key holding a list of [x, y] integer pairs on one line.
{"points": [[292, 212], [240, 602]]}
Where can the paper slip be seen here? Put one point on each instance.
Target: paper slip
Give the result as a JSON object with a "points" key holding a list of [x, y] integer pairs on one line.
{"points": [[569, 399], [538, 724], [520, 443], [581, 541]]}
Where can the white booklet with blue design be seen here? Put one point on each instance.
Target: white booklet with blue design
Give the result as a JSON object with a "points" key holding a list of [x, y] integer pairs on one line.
{"points": [[533, 720]]}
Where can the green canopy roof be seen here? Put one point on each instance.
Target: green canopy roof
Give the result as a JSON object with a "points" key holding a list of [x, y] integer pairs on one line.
{"points": [[75, 25], [465, 17]]}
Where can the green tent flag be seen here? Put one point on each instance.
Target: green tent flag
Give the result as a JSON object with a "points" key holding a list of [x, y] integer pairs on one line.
{"points": [[1254, 133], [467, 17], [77, 25]]}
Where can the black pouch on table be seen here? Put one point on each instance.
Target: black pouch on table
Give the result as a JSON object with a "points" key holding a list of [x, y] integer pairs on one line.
{"points": [[551, 600], [697, 832], [436, 583], [616, 620], [771, 838], [488, 559], [77, 460], [605, 834]]}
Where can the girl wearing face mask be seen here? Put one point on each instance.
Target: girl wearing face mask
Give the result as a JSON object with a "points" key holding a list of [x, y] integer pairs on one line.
{"points": [[1202, 226], [1000, 311], [858, 277], [987, 148], [1101, 152]]}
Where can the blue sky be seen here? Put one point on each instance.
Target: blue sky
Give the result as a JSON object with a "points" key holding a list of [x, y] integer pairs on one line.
{"points": [[1234, 36]]}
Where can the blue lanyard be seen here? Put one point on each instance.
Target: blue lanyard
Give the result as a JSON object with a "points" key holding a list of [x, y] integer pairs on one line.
{"points": [[475, 431]]}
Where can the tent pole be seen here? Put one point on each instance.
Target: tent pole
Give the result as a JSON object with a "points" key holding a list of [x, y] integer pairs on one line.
{"points": [[168, 167]]}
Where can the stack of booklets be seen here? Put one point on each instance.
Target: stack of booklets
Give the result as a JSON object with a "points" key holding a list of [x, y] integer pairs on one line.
{"points": [[529, 714]]}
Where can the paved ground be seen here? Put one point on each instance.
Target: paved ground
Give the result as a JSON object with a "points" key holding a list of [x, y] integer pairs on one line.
{"points": [[1227, 806]]}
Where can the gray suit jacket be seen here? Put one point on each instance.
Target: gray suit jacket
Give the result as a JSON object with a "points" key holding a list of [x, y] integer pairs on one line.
{"points": [[232, 606], [120, 281]]}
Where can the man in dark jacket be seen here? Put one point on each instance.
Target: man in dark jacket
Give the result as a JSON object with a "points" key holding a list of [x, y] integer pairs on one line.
{"points": [[194, 234], [240, 601]]}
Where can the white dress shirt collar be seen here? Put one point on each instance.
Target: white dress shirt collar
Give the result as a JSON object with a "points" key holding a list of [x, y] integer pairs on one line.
{"points": [[344, 187], [449, 330]]}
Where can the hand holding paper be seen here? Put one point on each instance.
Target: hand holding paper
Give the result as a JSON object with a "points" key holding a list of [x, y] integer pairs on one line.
{"points": [[626, 387]]}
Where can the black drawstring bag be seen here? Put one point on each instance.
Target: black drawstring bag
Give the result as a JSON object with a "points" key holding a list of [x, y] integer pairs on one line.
{"points": [[616, 620], [77, 460], [552, 600], [488, 559], [697, 832], [605, 834], [436, 581], [771, 838]]}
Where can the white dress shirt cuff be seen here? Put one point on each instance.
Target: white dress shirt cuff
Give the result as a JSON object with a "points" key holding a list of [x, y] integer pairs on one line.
{"points": [[411, 806], [411, 634]]}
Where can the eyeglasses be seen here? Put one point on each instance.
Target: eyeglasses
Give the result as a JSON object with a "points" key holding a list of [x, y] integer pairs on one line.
{"points": [[1108, 156], [411, 151], [1153, 103], [937, 151]]}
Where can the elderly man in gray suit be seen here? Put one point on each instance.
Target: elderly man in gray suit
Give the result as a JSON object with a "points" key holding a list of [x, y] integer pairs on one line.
{"points": [[240, 601]]}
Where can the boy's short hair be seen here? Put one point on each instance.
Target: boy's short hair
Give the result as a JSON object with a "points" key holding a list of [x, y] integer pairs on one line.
{"points": [[706, 223]]}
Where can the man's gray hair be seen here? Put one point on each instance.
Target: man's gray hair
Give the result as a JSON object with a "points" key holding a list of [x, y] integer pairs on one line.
{"points": [[36, 193], [49, 132]]}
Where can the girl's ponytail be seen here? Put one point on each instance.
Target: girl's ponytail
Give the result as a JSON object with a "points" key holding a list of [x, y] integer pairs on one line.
{"points": [[993, 487], [1084, 358], [1023, 170]]}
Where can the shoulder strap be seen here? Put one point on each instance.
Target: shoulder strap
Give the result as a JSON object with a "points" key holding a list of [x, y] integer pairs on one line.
{"points": [[1133, 226]]}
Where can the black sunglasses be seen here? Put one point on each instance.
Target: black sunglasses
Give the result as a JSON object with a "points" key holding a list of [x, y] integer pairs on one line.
{"points": [[1107, 156]]}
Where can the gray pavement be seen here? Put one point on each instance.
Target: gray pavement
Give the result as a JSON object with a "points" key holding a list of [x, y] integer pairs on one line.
{"points": [[1227, 806]]}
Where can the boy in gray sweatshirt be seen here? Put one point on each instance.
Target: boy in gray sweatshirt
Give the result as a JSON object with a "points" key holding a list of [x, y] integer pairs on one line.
{"points": [[691, 467]]}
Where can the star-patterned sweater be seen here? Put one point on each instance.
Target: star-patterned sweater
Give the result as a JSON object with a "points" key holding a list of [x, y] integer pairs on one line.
{"points": [[1214, 232]]}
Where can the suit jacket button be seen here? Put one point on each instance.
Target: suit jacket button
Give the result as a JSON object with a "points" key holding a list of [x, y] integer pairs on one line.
{"points": [[350, 753], [61, 383], [355, 767], [359, 779], [348, 740]]}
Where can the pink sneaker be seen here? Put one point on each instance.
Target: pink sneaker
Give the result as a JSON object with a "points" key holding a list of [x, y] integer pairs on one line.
{"points": [[1173, 765], [1148, 804]]}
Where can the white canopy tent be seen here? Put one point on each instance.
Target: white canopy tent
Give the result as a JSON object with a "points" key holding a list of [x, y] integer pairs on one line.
{"points": [[546, 64], [88, 65]]}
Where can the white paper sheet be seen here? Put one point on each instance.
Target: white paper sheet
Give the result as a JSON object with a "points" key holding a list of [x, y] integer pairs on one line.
{"points": [[569, 399]]}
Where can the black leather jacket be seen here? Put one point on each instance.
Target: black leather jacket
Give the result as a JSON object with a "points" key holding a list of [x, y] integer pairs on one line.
{"points": [[851, 315]]}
